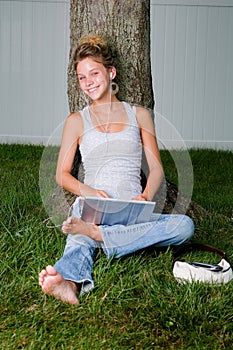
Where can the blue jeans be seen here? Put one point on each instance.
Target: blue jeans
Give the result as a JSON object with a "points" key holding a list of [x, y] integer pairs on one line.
{"points": [[163, 230]]}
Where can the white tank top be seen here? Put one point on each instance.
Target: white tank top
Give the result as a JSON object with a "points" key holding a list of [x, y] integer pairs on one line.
{"points": [[112, 161]]}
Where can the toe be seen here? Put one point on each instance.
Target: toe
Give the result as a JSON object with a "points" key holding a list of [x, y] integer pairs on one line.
{"points": [[41, 275], [51, 270]]}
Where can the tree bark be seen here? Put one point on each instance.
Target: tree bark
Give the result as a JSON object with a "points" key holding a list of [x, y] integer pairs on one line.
{"points": [[126, 26]]}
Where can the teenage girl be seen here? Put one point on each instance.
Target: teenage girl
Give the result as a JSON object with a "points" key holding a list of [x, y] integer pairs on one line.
{"points": [[110, 135]]}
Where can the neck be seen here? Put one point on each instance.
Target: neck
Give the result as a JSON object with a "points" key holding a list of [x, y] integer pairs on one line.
{"points": [[103, 112], [108, 100]]}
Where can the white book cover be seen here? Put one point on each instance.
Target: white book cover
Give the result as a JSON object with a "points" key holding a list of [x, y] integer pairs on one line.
{"points": [[109, 211]]}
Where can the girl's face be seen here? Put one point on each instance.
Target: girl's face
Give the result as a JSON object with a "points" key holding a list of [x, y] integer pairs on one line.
{"points": [[93, 78]]}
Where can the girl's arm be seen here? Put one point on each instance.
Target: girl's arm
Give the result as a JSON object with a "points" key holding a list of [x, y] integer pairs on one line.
{"points": [[71, 138], [151, 150]]}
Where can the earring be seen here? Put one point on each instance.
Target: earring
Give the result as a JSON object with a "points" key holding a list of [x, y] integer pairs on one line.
{"points": [[114, 88]]}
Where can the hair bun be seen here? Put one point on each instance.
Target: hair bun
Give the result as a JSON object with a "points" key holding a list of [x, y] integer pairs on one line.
{"points": [[96, 47], [92, 40]]}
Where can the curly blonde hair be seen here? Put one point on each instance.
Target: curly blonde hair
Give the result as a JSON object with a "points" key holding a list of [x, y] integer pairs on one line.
{"points": [[96, 47]]}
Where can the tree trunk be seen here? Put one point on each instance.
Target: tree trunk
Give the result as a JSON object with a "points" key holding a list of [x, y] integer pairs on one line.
{"points": [[126, 26]]}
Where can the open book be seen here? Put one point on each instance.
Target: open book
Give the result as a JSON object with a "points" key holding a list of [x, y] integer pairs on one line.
{"points": [[109, 211]]}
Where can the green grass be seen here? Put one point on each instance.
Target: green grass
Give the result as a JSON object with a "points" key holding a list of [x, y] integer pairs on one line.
{"points": [[136, 303]]}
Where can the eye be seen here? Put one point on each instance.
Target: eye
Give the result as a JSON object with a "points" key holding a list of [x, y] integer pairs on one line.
{"points": [[80, 78]]}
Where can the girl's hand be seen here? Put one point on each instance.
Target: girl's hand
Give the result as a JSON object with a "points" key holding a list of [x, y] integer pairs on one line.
{"points": [[88, 191], [101, 193], [139, 198]]}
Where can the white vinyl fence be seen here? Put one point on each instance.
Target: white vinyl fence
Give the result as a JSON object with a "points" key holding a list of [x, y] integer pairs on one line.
{"points": [[192, 67], [34, 45]]}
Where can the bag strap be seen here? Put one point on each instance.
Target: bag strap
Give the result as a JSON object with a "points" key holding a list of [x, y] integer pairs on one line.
{"points": [[198, 246]]}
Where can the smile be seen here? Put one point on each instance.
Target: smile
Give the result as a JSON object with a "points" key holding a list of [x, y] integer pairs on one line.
{"points": [[92, 89]]}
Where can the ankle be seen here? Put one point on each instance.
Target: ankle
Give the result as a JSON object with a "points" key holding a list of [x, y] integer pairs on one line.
{"points": [[73, 285], [96, 233]]}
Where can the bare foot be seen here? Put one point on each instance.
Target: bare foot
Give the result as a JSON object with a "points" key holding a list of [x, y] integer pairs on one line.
{"points": [[77, 226], [54, 284]]}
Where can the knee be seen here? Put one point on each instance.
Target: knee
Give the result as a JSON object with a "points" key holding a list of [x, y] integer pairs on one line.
{"points": [[187, 229]]}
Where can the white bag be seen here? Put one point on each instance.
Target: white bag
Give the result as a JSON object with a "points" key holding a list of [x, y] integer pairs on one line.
{"points": [[201, 272]]}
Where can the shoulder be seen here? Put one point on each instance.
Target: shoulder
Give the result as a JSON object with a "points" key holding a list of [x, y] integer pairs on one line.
{"points": [[143, 112], [74, 123], [144, 118], [74, 118]]}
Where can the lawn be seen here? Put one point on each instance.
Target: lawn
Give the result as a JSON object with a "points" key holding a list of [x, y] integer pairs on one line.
{"points": [[136, 302]]}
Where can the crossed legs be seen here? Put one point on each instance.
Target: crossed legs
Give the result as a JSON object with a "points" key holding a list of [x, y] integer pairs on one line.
{"points": [[119, 240]]}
